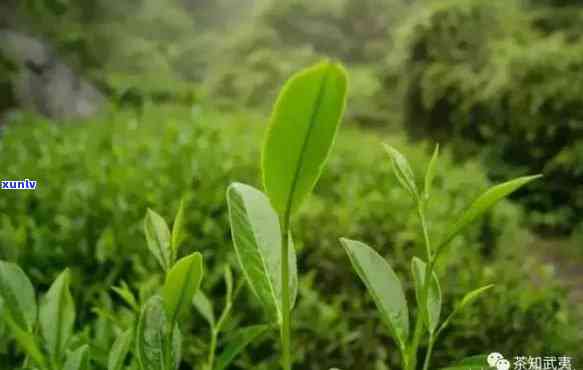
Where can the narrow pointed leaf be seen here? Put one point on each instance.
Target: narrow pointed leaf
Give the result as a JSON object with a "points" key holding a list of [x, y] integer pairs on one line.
{"points": [[25, 339], [403, 171], [126, 294], [178, 231], [483, 203], [78, 359], [383, 285], [57, 315], [431, 310], [182, 283], [472, 296], [119, 350], [237, 343], [158, 238], [205, 307], [257, 240], [18, 294], [301, 133], [430, 173]]}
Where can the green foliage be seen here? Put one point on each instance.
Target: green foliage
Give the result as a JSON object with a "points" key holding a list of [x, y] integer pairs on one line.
{"points": [[100, 179], [256, 236], [502, 79], [56, 318], [431, 307], [303, 126], [297, 143], [182, 283], [384, 286]]}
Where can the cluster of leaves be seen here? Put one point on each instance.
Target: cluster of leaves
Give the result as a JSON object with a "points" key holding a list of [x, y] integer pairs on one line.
{"points": [[502, 79], [96, 182], [152, 339]]}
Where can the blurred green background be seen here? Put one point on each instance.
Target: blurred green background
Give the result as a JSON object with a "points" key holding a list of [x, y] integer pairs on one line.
{"points": [[117, 106]]}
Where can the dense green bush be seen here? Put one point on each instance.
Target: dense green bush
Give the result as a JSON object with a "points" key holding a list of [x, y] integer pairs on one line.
{"points": [[497, 79], [95, 182]]}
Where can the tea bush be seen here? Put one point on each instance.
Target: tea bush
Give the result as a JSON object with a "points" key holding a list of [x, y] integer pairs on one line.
{"points": [[95, 182], [502, 79]]}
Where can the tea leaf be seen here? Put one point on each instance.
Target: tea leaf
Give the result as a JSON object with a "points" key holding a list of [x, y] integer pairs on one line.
{"points": [[182, 282], [257, 240], [483, 203], [78, 359], [237, 343], [150, 335], [158, 238], [301, 133], [126, 294], [205, 307], [178, 231], [472, 296], [18, 294], [430, 173], [25, 339], [383, 285], [432, 308], [57, 315], [120, 350], [403, 171]]}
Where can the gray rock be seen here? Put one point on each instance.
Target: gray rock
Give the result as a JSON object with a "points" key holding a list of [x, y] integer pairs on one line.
{"points": [[45, 84]]}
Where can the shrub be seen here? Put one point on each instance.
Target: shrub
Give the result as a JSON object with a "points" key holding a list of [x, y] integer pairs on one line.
{"points": [[95, 182], [492, 79]]}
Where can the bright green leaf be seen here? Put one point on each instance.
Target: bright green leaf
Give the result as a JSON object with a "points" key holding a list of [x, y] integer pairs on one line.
{"points": [[236, 343], [178, 231], [483, 203], [383, 285], [403, 171], [432, 309], [158, 238], [57, 315], [18, 294], [470, 297], [301, 133], [25, 339], [205, 307], [257, 240], [182, 283], [120, 350], [78, 359], [126, 294]]}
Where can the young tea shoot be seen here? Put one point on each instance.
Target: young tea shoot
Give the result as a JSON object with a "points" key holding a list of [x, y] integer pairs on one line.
{"points": [[299, 138], [384, 285]]}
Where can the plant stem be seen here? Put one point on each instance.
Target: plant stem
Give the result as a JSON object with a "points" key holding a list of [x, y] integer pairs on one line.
{"points": [[285, 301], [429, 351], [212, 349], [425, 292]]}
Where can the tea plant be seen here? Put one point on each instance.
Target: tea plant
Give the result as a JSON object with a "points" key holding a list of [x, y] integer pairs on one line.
{"points": [[44, 329], [298, 140], [384, 285], [45, 333]]}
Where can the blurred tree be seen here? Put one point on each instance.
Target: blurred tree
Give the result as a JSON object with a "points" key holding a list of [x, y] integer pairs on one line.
{"points": [[491, 79]]}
